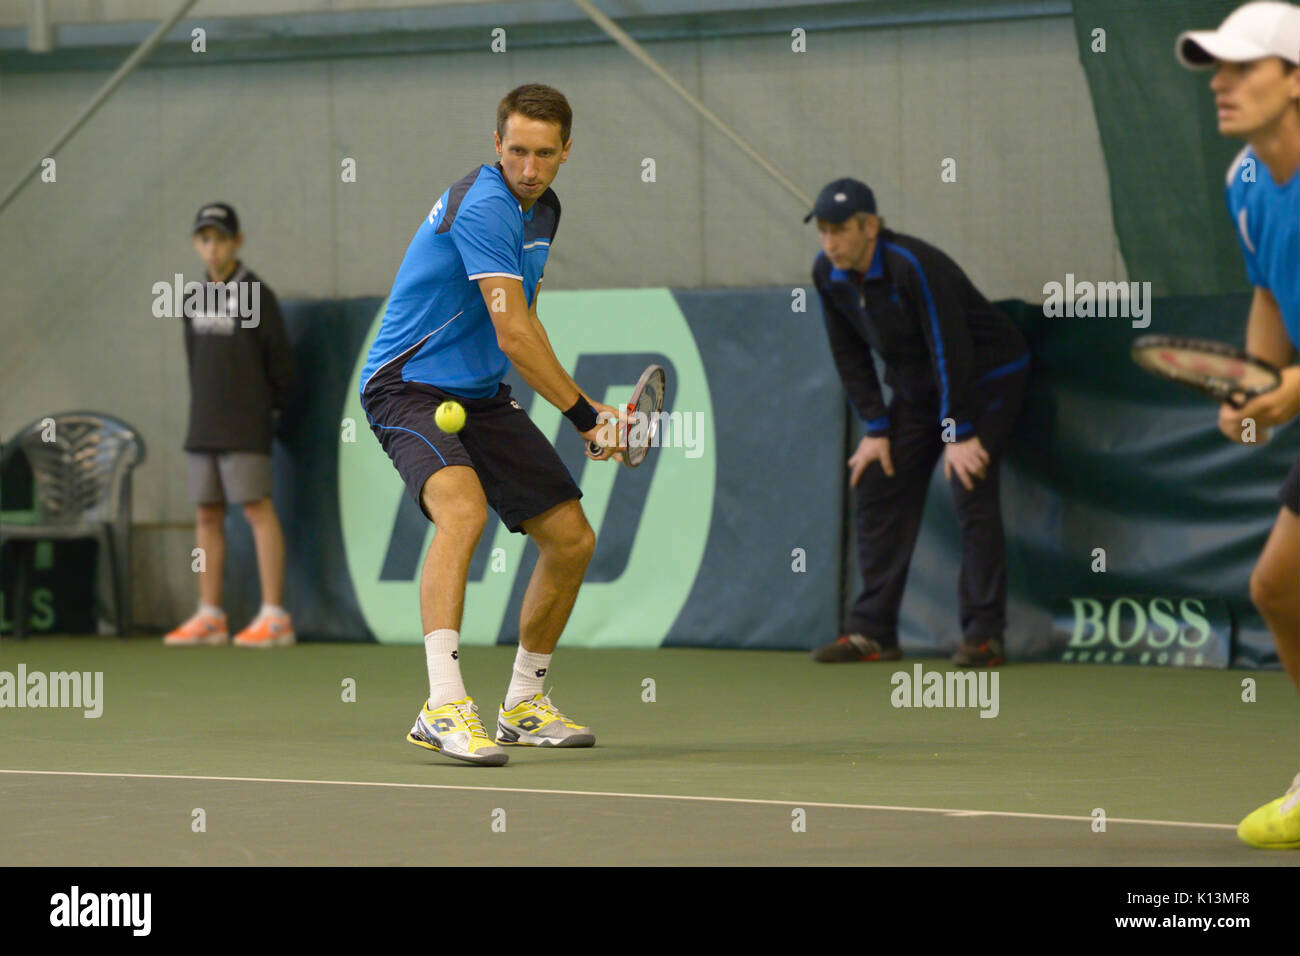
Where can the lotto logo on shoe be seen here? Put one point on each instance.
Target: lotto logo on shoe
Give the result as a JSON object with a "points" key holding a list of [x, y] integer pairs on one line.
{"points": [[444, 725]]}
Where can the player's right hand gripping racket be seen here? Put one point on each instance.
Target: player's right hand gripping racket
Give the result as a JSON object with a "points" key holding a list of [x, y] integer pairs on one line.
{"points": [[1220, 371], [647, 402]]}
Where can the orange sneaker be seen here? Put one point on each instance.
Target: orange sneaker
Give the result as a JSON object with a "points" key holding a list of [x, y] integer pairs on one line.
{"points": [[202, 629], [267, 630]]}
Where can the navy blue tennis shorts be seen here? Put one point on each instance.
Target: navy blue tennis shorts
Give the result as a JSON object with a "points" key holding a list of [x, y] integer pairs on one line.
{"points": [[1290, 493], [521, 472]]}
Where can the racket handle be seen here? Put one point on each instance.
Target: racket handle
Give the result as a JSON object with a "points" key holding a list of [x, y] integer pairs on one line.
{"points": [[595, 447]]}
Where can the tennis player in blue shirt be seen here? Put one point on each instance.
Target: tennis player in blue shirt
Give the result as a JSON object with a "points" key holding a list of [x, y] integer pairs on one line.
{"points": [[462, 310], [1254, 54]]}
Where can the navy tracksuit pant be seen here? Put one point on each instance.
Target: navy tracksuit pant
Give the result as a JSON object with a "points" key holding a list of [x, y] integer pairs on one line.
{"points": [[888, 515]]}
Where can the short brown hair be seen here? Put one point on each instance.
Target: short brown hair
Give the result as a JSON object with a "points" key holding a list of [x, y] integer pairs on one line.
{"points": [[539, 102], [861, 219]]}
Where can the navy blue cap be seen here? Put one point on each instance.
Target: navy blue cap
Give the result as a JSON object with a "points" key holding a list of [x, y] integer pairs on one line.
{"points": [[219, 214], [842, 198]]}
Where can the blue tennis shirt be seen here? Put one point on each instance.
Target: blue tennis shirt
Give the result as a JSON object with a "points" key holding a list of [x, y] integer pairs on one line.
{"points": [[436, 328], [1267, 218]]}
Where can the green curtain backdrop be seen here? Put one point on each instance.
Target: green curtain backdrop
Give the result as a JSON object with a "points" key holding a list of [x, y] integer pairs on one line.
{"points": [[1103, 456], [1163, 151]]}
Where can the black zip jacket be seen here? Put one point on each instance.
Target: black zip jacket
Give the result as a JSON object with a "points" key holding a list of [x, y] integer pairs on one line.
{"points": [[238, 374], [938, 336]]}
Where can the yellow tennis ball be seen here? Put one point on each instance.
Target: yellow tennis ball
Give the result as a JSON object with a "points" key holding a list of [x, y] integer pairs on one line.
{"points": [[450, 416]]}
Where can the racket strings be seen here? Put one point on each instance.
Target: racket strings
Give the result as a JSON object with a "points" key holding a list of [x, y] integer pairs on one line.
{"points": [[1199, 365], [647, 407]]}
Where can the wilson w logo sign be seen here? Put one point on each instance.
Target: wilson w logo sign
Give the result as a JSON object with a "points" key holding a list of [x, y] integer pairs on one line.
{"points": [[651, 522]]}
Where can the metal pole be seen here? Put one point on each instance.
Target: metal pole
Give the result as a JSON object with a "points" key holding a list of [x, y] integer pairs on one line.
{"points": [[105, 91], [40, 38], [634, 48]]}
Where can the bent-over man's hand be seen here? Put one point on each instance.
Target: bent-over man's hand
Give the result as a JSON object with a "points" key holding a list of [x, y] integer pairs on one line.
{"points": [[869, 450], [967, 459]]}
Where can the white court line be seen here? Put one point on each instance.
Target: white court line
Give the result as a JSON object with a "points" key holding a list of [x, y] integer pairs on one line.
{"points": [[631, 796]]}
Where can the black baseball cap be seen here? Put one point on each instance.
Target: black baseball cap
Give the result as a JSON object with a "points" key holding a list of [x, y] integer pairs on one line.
{"points": [[219, 214], [842, 198]]}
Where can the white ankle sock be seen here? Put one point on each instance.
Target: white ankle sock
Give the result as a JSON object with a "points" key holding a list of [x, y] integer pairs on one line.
{"points": [[270, 609], [442, 654], [211, 609], [529, 676]]}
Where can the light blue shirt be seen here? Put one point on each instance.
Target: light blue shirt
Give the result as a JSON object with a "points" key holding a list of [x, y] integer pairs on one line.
{"points": [[1267, 219], [436, 327]]}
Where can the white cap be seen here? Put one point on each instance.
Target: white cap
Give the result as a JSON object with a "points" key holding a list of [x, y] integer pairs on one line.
{"points": [[1251, 32]]}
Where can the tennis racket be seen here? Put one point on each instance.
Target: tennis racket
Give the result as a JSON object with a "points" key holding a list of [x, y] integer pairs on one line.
{"points": [[646, 403], [1220, 371]]}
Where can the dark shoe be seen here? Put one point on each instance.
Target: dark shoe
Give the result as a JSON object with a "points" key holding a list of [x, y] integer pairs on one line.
{"points": [[855, 647], [987, 653]]}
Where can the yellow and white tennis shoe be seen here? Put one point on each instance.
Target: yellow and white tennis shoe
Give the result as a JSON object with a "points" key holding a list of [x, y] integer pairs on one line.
{"points": [[537, 723], [455, 730], [1275, 825]]}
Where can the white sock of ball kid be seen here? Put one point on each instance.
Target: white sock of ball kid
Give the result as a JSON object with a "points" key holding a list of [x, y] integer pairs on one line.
{"points": [[442, 655], [529, 676]]}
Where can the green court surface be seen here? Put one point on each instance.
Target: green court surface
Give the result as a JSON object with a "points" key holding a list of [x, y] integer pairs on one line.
{"points": [[714, 771]]}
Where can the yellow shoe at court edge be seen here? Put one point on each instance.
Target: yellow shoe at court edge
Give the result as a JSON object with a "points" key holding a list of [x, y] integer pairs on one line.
{"points": [[455, 730], [537, 723], [1275, 825]]}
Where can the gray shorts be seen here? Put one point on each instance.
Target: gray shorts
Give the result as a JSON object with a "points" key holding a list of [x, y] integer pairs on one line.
{"points": [[239, 477]]}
